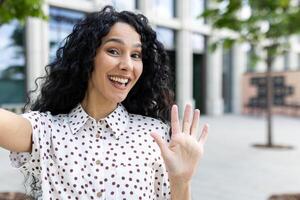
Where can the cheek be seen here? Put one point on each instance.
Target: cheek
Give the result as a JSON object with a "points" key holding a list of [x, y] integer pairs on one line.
{"points": [[138, 71], [97, 77]]}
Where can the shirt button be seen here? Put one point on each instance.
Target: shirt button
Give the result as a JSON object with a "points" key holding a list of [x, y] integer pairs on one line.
{"points": [[97, 135], [98, 162], [99, 194]]}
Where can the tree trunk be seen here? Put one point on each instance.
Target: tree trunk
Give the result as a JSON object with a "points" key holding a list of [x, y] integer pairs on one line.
{"points": [[269, 101]]}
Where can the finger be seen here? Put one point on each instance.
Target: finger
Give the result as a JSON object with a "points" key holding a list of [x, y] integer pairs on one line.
{"points": [[175, 120], [195, 122], [186, 123], [161, 143], [204, 134]]}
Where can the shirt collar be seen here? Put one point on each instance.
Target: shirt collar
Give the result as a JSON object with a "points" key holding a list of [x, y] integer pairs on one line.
{"points": [[77, 118], [117, 120]]}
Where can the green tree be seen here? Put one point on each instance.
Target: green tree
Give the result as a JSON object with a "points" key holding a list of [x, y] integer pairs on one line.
{"points": [[20, 9], [264, 24]]}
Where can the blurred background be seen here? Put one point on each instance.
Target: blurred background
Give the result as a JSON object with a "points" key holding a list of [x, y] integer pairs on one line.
{"points": [[224, 83]]}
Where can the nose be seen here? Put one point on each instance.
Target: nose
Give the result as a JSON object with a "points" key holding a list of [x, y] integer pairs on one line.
{"points": [[126, 63]]}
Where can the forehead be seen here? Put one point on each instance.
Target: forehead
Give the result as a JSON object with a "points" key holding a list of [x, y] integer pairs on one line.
{"points": [[123, 31]]}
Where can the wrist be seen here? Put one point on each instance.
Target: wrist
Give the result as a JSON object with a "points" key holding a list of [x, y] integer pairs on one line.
{"points": [[183, 179], [180, 189]]}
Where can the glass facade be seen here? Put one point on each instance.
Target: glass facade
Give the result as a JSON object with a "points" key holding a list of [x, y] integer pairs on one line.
{"points": [[250, 67], [164, 8], [125, 4], [286, 63], [199, 81], [166, 36], [61, 24], [197, 7], [199, 78], [197, 43], [12, 63], [227, 73]]}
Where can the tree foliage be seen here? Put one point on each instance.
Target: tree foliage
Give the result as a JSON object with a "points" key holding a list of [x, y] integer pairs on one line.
{"points": [[267, 24], [20, 9]]}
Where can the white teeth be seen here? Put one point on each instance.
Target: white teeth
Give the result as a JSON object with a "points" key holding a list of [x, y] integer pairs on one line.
{"points": [[120, 80]]}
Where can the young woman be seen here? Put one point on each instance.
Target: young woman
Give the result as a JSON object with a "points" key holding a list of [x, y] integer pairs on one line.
{"points": [[100, 126]]}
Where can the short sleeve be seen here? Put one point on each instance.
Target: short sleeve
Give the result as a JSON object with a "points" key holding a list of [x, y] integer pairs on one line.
{"points": [[161, 184], [25, 161]]}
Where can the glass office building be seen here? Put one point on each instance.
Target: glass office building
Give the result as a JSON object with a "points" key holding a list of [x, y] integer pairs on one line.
{"points": [[210, 81]]}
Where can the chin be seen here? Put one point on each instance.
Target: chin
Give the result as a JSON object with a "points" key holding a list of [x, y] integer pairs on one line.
{"points": [[119, 99]]}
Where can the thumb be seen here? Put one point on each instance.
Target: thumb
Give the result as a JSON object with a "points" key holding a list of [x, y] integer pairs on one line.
{"points": [[161, 143]]}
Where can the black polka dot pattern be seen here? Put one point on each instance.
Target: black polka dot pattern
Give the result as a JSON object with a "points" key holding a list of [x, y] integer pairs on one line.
{"points": [[76, 157]]}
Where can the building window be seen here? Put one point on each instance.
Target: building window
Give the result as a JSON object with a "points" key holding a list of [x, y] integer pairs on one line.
{"points": [[227, 80], [137, 5], [197, 7], [125, 4], [12, 63], [197, 43], [61, 24], [164, 8], [250, 61], [166, 36]]}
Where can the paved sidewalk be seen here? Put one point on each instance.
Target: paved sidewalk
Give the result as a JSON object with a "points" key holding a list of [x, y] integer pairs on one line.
{"points": [[231, 169], [10, 179], [234, 170]]}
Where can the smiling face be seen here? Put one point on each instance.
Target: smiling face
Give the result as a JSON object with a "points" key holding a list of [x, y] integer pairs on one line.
{"points": [[117, 65]]}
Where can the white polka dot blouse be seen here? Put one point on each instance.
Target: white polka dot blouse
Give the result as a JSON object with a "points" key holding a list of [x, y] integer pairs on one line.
{"points": [[76, 157]]}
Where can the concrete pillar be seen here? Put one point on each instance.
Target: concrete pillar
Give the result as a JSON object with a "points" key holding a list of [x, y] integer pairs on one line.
{"points": [[184, 69], [184, 59], [214, 100], [239, 67], [37, 49]]}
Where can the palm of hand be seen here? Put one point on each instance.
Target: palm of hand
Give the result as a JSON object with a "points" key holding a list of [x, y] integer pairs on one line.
{"points": [[184, 151]]}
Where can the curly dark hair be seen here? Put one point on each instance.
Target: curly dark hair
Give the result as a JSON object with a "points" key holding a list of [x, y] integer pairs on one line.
{"points": [[66, 80]]}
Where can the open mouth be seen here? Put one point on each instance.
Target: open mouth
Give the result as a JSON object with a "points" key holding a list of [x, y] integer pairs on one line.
{"points": [[119, 82]]}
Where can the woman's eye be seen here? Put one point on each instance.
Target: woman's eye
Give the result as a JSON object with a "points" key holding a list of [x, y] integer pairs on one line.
{"points": [[113, 52], [136, 55]]}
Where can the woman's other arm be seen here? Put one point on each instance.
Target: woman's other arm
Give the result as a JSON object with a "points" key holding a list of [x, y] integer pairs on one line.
{"points": [[15, 132], [183, 153]]}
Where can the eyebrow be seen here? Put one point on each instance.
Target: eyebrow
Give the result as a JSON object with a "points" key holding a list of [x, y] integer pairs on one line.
{"points": [[120, 42]]}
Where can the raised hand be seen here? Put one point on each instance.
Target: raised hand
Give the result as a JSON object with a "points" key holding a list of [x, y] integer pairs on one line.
{"points": [[185, 150]]}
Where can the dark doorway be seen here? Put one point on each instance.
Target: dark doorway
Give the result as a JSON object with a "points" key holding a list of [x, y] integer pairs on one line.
{"points": [[172, 60], [199, 82]]}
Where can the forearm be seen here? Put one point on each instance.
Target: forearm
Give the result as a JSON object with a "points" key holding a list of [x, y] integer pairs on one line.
{"points": [[180, 191]]}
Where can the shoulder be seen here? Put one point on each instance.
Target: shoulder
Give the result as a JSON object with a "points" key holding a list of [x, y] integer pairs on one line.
{"points": [[42, 118]]}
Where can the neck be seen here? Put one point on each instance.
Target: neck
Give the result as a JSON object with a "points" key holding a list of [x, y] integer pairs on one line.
{"points": [[97, 108]]}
